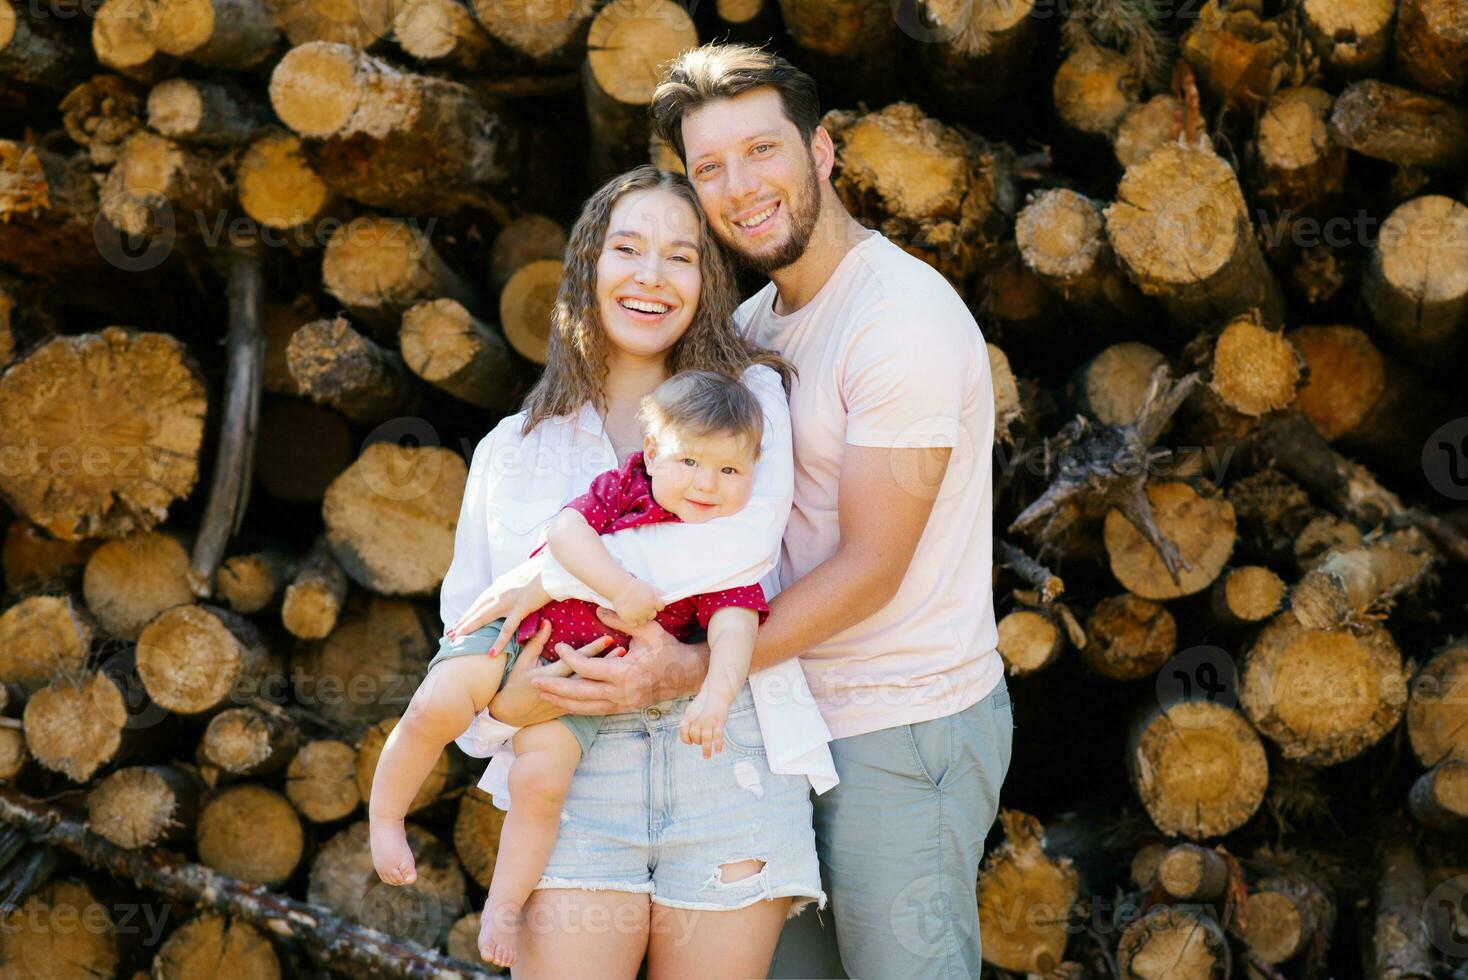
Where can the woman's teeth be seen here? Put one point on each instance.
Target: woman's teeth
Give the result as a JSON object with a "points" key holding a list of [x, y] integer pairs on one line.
{"points": [[642, 306], [758, 219]]}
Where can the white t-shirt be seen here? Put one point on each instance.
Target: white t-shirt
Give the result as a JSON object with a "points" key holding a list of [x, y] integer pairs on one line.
{"points": [[889, 356]]}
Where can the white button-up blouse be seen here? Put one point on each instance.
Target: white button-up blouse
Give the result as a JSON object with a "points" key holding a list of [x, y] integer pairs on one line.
{"points": [[517, 483]]}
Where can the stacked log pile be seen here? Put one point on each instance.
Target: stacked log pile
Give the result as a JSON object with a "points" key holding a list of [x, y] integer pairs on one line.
{"points": [[270, 268]]}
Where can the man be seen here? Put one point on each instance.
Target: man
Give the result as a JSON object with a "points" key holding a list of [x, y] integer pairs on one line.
{"points": [[886, 564]]}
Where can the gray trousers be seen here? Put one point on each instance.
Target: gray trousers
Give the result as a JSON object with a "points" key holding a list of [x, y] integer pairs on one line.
{"points": [[900, 840]]}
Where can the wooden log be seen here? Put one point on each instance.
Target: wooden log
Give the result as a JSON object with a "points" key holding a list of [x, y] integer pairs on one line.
{"points": [[444, 32], [1143, 127], [335, 365], [229, 34], [1023, 310], [1189, 941], [973, 52], [251, 583], [1323, 696], [1047, 586], [854, 45], [34, 561], [463, 941], [1128, 637], [1286, 912], [390, 138], [321, 781], [14, 756], [314, 598], [342, 879], [1199, 522], [145, 806], [195, 659], [369, 666], [130, 580], [628, 42], [157, 183], [477, 829], [1197, 765], [1254, 370], [1297, 168], [43, 636], [1181, 229], [1029, 640], [445, 345], [1146, 861], [1346, 583], [1437, 710], [1270, 511], [1062, 238], [1110, 387], [362, 24], [277, 186], [121, 41], [1246, 595], [1400, 944], [37, 51], [1347, 378], [282, 319], [1008, 409], [527, 305], [77, 725], [1432, 45], [1410, 129], [250, 741], [101, 113], [1018, 877], [201, 946], [446, 776], [48, 207], [301, 448], [1352, 40], [949, 201], [524, 240], [212, 113], [1093, 89], [550, 34], [251, 833], [1416, 284], [355, 951], [1439, 797], [61, 930], [380, 267], [1190, 873], [143, 458], [391, 535], [1236, 53]]}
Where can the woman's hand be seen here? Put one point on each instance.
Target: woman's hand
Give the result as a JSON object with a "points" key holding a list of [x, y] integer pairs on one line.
{"points": [[657, 667], [513, 596], [518, 703]]}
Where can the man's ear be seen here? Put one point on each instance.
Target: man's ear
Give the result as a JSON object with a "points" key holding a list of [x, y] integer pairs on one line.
{"points": [[823, 151]]}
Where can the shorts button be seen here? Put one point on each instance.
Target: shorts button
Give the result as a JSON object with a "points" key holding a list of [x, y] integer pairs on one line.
{"points": [[654, 714]]}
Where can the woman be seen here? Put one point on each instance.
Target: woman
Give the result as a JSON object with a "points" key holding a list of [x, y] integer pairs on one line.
{"points": [[693, 863]]}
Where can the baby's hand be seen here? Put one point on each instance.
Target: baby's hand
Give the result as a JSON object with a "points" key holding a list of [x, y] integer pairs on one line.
{"points": [[703, 723], [637, 603]]}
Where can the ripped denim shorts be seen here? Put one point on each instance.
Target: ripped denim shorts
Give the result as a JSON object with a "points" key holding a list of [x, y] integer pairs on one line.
{"points": [[648, 814]]}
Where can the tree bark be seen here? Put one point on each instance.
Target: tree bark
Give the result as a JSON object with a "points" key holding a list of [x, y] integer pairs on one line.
{"points": [[335, 365], [1439, 798], [1190, 873], [1416, 283], [973, 52], [854, 44], [1432, 45], [446, 346], [1400, 942], [1401, 126], [211, 113], [228, 34]]}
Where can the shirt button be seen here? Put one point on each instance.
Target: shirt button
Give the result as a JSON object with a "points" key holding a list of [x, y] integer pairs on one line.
{"points": [[654, 713]]}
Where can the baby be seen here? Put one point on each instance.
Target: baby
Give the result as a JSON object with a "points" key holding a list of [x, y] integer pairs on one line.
{"points": [[697, 463]]}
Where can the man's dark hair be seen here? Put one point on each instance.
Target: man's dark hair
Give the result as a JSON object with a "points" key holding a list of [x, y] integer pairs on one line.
{"points": [[721, 71]]}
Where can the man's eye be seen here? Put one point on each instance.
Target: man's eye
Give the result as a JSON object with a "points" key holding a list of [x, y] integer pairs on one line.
{"points": [[762, 147], [705, 170]]}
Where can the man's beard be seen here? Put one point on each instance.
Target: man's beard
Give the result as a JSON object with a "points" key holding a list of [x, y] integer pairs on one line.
{"points": [[803, 215]]}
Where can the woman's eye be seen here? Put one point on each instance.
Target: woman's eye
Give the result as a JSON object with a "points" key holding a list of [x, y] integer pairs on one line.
{"points": [[680, 258], [627, 249]]}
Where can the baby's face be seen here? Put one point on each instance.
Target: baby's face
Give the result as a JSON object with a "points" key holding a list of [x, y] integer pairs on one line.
{"points": [[699, 478]]}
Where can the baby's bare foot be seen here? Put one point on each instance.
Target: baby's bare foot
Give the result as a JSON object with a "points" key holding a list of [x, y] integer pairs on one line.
{"points": [[499, 927], [391, 855]]}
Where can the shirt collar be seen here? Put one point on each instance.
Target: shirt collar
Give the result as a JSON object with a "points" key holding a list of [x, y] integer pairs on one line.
{"points": [[588, 420]]}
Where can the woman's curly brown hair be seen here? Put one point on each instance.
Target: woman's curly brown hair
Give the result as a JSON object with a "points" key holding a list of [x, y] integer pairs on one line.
{"points": [[576, 357]]}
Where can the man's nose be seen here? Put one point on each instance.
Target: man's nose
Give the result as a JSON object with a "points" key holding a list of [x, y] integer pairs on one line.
{"points": [[742, 182]]}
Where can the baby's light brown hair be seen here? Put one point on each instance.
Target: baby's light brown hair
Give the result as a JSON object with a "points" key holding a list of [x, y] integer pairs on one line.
{"points": [[702, 403]]}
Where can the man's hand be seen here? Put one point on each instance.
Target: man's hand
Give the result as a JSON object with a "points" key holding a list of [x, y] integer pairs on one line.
{"points": [[520, 704], [657, 667], [513, 596]]}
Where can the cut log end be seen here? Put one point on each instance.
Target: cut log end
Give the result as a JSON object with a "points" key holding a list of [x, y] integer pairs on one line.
{"points": [[251, 833], [322, 781], [199, 947], [527, 305], [1198, 767], [1128, 637]]}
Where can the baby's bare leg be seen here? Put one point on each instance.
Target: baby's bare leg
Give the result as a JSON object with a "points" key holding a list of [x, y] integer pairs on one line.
{"points": [[442, 708], [546, 756]]}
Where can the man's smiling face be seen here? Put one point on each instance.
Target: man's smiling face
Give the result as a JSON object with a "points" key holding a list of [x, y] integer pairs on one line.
{"points": [[757, 180]]}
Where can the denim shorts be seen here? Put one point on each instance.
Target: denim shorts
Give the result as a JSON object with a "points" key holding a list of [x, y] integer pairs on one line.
{"points": [[650, 815], [477, 644]]}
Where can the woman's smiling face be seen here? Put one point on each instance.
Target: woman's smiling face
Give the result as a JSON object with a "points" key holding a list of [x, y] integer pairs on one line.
{"points": [[648, 275]]}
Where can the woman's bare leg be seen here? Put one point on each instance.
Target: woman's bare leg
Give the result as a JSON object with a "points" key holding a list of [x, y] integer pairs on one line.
{"points": [[573, 933], [442, 708], [545, 760], [710, 945]]}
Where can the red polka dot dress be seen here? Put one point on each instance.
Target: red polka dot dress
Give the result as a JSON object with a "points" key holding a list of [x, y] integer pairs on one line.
{"points": [[620, 499]]}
